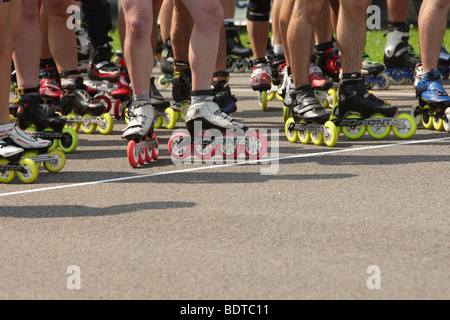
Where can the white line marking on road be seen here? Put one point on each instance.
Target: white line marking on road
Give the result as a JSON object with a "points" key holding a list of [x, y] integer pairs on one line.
{"points": [[316, 154]]}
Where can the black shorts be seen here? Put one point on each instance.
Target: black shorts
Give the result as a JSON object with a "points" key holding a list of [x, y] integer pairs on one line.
{"points": [[258, 10]]}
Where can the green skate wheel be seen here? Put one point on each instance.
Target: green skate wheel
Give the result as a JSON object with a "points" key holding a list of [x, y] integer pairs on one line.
{"points": [[409, 126], [280, 98], [30, 173], [74, 125], [427, 120], [69, 141], [378, 131], [263, 100], [55, 142], [332, 93], [415, 113], [88, 128], [331, 134], [170, 118], [438, 123], [385, 81], [292, 136], [6, 176], [317, 138], [354, 132], [163, 82], [285, 113], [447, 120], [271, 95], [58, 164], [107, 124], [32, 155], [159, 122], [303, 135]]}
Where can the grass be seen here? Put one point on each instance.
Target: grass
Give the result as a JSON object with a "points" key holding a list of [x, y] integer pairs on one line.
{"points": [[375, 41]]}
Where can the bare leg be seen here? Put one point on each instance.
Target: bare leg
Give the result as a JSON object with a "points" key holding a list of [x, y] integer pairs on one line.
{"points": [[397, 10], [165, 19]]}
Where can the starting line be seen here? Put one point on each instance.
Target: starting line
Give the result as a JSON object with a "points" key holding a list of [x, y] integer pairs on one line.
{"points": [[266, 160]]}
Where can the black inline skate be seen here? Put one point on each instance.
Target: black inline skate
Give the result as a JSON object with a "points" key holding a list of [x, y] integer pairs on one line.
{"points": [[181, 87], [373, 73], [359, 111], [238, 55], [308, 120], [433, 109], [222, 92], [83, 110], [167, 65]]}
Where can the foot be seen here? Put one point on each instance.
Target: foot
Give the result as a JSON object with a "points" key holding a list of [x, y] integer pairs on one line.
{"points": [[140, 115]]}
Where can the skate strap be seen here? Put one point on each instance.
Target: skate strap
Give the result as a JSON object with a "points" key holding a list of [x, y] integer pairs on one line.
{"points": [[23, 91], [307, 104], [65, 74]]}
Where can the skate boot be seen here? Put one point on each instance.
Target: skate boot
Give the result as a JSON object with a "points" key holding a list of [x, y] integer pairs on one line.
{"points": [[11, 162], [359, 110], [122, 93], [181, 84], [164, 113], [329, 63], [167, 65], [308, 121], [238, 54], [223, 97], [50, 84], [373, 73], [44, 123], [82, 110], [83, 45], [444, 63], [261, 78], [433, 110], [143, 144], [100, 66], [210, 131], [399, 56]]}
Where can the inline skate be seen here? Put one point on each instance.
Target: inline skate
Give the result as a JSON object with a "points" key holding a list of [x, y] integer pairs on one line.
{"points": [[399, 56], [373, 73], [143, 143], [237, 54], [167, 65], [12, 163], [82, 110], [181, 88], [308, 121], [433, 109], [359, 111], [211, 131], [222, 92], [444, 63]]}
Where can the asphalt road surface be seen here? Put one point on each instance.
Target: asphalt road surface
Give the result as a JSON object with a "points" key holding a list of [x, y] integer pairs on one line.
{"points": [[366, 219]]}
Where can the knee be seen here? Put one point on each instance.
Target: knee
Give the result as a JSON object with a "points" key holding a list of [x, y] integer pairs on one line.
{"points": [[30, 10], [310, 10], [57, 8], [211, 19], [354, 6], [441, 5]]}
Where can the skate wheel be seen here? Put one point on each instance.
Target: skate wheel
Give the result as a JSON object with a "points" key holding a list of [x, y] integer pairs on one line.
{"points": [[241, 66], [132, 154], [331, 134], [141, 153], [384, 82], [29, 172], [271, 95], [159, 122], [438, 123], [170, 118], [69, 140], [447, 120], [119, 109], [32, 155], [88, 127], [106, 125], [303, 135], [205, 149], [378, 131], [255, 145], [58, 161], [263, 100], [407, 127], [285, 113], [105, 101], [397, 77], [229, 149], [291, 135], [75, 125], [180, 145], [332, 97], [354, 132], [155, 150], [415, 113], [12, 118], [321, 97], [317, 138], [280, 98], [162, 82], [427, 119], [6, 176]]}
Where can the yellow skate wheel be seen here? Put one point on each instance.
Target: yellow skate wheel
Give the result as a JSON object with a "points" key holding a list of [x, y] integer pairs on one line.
{"points": [[32, 155], [57, 163], [331, 134], [407, 128], [271, 95], [438, 123], [447, 121], [74, 125], [317, 138], [30, 173], [88, 128], [415, 109], [159, 122], [170, 118], [263, 100], [292, 136], [280, 98], [427, 120], [354, 132], [12, 118], [107, 124], [55, 141], [69, 141], [303, 135], [285, 113], [378, 131], [332, 94], [6, 176]]}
